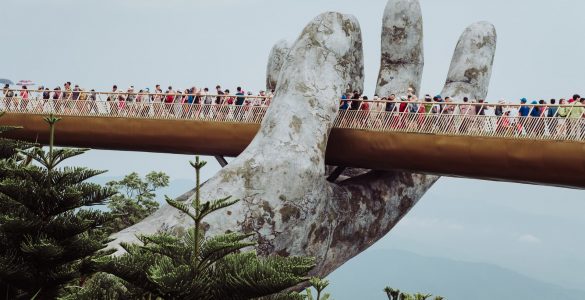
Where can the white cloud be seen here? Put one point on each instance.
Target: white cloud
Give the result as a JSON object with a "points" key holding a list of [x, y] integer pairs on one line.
{"points": [[529, 239]]}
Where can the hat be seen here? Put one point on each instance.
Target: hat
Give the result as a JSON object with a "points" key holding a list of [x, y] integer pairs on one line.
{"points": [[523, 100]]}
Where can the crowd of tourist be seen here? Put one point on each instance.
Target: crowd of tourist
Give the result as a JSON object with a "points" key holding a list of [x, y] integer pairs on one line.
{"points": [[192, 95], [123, 102], [513, 116], [566, 115]]}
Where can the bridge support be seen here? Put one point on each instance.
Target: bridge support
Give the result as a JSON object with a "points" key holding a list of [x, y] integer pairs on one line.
{"points": [[336, 173], [221, 160]]}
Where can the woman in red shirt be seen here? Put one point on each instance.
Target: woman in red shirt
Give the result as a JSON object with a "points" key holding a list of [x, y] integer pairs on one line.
{"points": [[24, 99]]}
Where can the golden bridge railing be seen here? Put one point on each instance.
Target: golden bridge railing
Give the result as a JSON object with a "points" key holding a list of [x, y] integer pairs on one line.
{"points": [[544, 122]]}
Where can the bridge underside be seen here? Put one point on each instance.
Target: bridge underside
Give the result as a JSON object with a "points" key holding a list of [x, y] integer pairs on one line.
{"points": [[502, 159]]}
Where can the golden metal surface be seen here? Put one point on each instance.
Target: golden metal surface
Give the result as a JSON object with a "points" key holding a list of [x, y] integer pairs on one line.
{"points": [[501, 159]]}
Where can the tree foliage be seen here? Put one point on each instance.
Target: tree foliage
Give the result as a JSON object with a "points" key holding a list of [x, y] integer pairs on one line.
{"points": [[135, 199], [9, 148], [394, 294], [319, 285], [194, 266], [47, 234]]}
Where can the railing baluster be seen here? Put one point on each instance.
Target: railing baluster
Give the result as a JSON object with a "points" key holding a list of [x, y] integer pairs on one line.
{"points": [[447, 118]]}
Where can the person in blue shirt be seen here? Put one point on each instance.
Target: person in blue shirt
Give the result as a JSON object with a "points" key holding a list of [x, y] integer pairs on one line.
{"points": [[240, 100], [344, 102], [535, 111], [524, 110]]}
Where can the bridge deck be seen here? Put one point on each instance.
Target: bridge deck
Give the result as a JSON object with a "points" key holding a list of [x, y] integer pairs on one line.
{"points": [[500, 156]]}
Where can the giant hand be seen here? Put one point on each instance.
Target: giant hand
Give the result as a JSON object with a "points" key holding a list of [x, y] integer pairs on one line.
{"points": [[281, 178]]}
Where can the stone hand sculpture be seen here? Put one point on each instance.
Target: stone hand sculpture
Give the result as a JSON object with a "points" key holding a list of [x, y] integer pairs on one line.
{"points": [[281, 178]]}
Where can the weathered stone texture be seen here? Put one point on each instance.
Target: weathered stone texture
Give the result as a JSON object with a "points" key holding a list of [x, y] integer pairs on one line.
{"points": [[471, 67], [280, 177], [402, 60], [275, 61]]}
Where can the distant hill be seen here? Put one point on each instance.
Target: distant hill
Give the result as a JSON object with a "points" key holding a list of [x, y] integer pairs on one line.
{"points": [[365, 276]]}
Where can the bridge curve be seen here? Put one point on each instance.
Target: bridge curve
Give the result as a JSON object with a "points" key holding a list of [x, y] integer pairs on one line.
{"points": [[381, 140]]}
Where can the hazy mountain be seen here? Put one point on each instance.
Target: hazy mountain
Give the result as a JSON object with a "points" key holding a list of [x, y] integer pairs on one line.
{"points": [[365, 277]]}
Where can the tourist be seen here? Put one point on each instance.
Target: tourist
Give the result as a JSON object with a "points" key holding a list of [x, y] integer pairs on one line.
{"points": [[240, 99], [208, 101], [219, 100], [46, 93], [157, 100], [466, 111], [551, 117], [239, 103], [23, 98], [365, 105], [170, 95], [92, 98], [524, 110], [113, 99], [575, 117], [390, 105], [428, 105], [499, 110], [75, 93], [375, 104], [187, 102], [344, 102], [355, 103], [45, 98], [67, 91], [269, 97], [8, 96]]}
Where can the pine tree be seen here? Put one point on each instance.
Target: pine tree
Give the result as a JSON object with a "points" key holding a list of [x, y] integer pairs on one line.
{"points": [[394, 294], [9, 147], [319, 285], [195, 267], [48, 236]]}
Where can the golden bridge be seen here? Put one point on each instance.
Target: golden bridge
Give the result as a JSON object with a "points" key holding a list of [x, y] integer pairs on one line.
{"points": [[537, 150]]}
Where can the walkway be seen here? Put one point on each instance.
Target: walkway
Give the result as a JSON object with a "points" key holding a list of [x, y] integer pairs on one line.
{"points": [[537, 150]]}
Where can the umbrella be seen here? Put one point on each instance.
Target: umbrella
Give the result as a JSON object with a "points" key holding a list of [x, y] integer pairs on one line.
{"points": [[25, 82], [6, 81]]}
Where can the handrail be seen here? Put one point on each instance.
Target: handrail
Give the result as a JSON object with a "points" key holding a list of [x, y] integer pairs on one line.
{"points": [[97, 94], [448, 119]]}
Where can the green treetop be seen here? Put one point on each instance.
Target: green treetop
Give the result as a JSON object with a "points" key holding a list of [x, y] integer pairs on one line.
{"points": [[394, 294], [9, 147], [135, 199], [47, 234], [194, 266]]}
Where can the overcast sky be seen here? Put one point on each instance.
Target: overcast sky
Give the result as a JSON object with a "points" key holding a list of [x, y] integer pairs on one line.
{"points": [[97, 43]]}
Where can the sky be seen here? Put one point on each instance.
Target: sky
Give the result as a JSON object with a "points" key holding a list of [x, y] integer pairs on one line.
{"points": [[96, 43]]}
